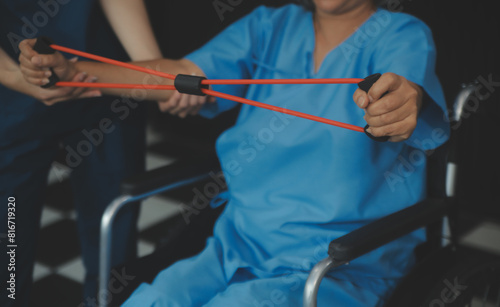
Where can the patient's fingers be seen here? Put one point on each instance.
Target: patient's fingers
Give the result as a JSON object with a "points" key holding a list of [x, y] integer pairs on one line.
{"points": [[193, 103], [183, 105]]}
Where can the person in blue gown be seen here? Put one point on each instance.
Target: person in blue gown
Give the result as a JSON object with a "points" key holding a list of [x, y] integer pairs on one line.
{"points": [[32, 127], [295, 184]]}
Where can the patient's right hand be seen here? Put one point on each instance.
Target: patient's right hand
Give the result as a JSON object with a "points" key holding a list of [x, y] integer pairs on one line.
{"points": [[183, 105]]}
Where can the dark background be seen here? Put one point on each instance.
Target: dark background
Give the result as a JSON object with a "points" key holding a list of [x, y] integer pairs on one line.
{"points": [[467, 36]]}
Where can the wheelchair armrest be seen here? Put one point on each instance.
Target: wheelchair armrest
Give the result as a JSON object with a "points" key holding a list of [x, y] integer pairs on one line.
{"points": [[387, 229], [170, 174]]}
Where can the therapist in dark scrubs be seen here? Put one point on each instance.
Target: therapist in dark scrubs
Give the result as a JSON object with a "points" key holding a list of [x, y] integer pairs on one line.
{"points": [[32, 127]]}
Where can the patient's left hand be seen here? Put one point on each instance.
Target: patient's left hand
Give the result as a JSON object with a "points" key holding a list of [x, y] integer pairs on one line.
{"points": [[395, 114]]}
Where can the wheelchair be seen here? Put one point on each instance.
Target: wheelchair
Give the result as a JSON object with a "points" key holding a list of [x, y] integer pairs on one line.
{"points": [[446, 273]]}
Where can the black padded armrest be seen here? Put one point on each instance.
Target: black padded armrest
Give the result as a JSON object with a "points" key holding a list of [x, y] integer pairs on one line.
{"points": [[170, 174], [387, 229]]}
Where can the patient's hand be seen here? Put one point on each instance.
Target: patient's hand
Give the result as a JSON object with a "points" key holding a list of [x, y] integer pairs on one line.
{"points": [[395, 114], [183, 105]]}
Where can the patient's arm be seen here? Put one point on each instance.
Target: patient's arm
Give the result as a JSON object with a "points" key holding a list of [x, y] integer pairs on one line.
{"points": [[34, 67]]}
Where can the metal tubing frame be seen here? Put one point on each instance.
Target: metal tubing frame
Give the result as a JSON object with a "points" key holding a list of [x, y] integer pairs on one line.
{"points": [[106, 231], [319, 270], [322, 267], [314, 280]]}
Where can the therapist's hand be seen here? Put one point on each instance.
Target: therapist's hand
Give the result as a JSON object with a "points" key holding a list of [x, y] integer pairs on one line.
{"points": [[34, 71], [183, 105], [35, 66], [17, 82], [395, 114], [57, 94]]}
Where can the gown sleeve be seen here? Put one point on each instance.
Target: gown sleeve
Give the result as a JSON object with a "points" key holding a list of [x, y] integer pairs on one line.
{"points": [[229, 56], [408, 50]]}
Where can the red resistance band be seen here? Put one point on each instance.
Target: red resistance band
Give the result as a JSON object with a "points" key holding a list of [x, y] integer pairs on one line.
{"points": [[196, 85]]}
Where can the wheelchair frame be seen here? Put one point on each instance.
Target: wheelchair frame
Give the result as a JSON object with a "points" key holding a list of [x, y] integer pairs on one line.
{"points": [[341, 250]]}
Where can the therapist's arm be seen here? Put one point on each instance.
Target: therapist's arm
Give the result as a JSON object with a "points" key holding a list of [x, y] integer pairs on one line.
{"points": [[12, 78], [34, 67], [138, 39], [130, 22]]}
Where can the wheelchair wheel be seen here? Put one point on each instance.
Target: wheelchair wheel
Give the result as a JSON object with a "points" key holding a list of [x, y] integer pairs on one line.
{"points": [[473, 282]]}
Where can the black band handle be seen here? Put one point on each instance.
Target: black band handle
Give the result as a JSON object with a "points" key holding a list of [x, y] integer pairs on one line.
{"points": [[366, 85], [42, 46], [191, 85]]}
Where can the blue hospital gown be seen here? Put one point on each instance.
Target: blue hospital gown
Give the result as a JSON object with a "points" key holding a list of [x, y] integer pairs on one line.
{"points": [[296, 184]]}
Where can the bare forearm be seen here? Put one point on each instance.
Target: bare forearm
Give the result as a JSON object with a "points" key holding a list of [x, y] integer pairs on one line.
{"points": [[131, 24], [113, 74], [10, 75], [7, 69]]}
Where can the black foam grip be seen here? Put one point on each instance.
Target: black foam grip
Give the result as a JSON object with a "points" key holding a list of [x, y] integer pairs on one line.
{"points": [[191, 85], [42, 46], [366, 85]]}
